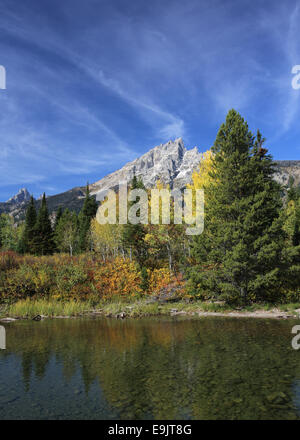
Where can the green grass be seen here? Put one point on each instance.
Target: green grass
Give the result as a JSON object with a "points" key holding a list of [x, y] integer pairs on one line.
{"points": [[289, 307], [30, 308], [143, 308]]}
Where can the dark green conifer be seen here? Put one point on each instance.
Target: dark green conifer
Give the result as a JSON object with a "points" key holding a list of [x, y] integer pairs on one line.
{"points": [[133, 235], [44, 243], [58, 216], [239, 255], [87, 213], [27, 242]]}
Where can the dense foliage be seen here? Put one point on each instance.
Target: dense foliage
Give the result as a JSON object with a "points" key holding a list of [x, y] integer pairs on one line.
{"points": [[84, 277]]}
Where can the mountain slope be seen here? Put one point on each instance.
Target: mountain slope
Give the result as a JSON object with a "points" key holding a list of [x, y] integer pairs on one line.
{"points": [[288, 169], [72, 199]]}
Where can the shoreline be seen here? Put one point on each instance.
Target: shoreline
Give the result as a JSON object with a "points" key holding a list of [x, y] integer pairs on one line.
{"points": [[39, 310]]}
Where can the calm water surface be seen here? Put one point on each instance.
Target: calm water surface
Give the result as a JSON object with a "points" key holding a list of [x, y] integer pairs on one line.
{"points": [[210, 368]]}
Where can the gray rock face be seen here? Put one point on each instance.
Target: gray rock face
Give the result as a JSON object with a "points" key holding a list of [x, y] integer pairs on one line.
{"points": [[286, 170], [21, 197], [172, 163]]}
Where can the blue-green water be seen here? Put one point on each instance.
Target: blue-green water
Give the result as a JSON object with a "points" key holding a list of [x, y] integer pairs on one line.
{"points": [[210, 368]]}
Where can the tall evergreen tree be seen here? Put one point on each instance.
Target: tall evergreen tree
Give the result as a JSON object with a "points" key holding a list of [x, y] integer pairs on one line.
{"points": [[293, 191], [27, 242], [87, 213], [44, 243], [2, 226], [291, 227], [133, 236], [239, 255], [58, 216]]}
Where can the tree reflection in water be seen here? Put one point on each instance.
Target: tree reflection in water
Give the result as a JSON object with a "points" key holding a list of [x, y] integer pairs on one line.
{"points": [[213, 368]]}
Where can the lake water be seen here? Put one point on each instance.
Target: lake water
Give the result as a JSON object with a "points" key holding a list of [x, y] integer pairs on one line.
{"points": [[209, 368]]}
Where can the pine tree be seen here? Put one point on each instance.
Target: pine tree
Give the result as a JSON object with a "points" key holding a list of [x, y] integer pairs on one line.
{"points": [[43, 243], [2, 225], [87, 213], [133, 236], [27, 242], [293, 191], [291, 250], [58, 216], [239, 255]]}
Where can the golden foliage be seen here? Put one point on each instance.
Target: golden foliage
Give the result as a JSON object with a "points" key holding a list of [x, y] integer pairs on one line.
{"points": [[85, 277], [201, 177], [118, 277]]}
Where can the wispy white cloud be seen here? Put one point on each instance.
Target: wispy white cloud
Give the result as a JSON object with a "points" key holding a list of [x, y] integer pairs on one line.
{"points": [[173, 130], [170, 125]]}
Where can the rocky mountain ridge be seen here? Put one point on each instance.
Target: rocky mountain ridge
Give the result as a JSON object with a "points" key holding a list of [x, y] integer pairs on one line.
{"points": [[171, 162], [22, 196]]}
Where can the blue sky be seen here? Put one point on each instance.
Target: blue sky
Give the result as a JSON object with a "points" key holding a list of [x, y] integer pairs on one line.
{"points": [[92, 84]]}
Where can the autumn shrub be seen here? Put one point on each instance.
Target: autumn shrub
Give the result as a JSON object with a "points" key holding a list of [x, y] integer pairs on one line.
{"points": [[159, 279], [18, 283], [42, 277], [163, 281], [118, 277], [9, 260], [69, 280], [27, 281], [85, 277]]}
